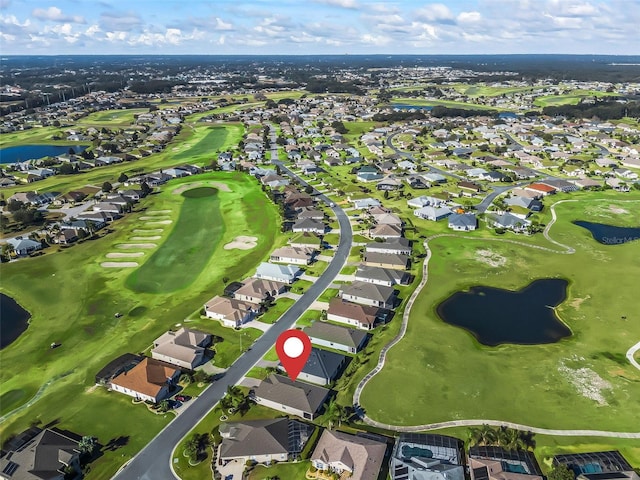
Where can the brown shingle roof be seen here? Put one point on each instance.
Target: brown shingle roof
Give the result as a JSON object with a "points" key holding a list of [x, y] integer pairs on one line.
{"points": [[148, 377], [364, 314]]}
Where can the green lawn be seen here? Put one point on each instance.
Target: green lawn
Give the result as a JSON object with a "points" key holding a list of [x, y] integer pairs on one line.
{"points": [[74, 301], [186, 251], [308, 318], [300, 286], [572, 98], [450, 370], [349, 270], [328, 294], [276, 310], [290, 471], [316, 268], [206, 146]]}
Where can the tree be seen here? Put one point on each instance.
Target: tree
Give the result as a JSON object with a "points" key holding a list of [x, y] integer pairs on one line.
{"points": [[123, 177], [560, 472], [164, 406], [336, 414], [15, 205], [146, 189], [484, 435], [308, 189], [88, 445], [107, 187], [66, 169]]}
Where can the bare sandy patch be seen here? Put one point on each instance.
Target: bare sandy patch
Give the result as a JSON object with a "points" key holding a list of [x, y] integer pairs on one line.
{"points": [[242, 243], [157, 212], [576, 302], [587, 382], [136, 245], [124, 255], [159, 222], [148, 231], [153, 217], [187, 186], [119, 264], [617, 210], [151, 237], [491, 258]]}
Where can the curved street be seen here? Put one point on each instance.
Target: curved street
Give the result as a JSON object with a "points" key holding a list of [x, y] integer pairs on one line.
{"points": [[154, 461]]}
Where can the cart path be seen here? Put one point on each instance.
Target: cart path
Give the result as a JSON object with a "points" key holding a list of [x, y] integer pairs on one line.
{"points": [[567, 250]]}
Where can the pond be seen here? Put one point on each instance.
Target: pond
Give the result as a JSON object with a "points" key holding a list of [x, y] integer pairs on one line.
{"points": [[496, 316], [32, 152], [13, 320], [404, 106], [610, 234]]}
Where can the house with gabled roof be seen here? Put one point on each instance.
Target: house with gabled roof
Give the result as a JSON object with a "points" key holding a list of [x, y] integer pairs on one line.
{"points": [[294, 398], [361, 316], [328, 335], [355, 457], [400, 246], [184, 348], [463, 222], [278, 273], [257, 290], [293, 255], [386, 260], [382, 276], [322, 367], [309, 225], [263, 441], [369, 294], [230, 311], [150, 380], [432, 213]]}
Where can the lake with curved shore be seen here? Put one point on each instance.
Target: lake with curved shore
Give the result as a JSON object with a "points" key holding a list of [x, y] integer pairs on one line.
{"points": [[495, 316], [14, 320], [33, 152], [610, 234]]}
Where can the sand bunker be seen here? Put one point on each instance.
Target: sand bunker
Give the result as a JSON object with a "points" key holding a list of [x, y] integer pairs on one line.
{"points": [[152, 237], [157, 212], [160, 222], [124, 255], [152, 217], [148, 231], [136, 245], [119, 264], [492, 259], [617, 210], [220, 186], [242, 243]]}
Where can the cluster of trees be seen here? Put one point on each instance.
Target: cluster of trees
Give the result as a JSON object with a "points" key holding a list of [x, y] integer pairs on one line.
{"points": [[24, 214], [505, 437], [322, 85], [604, 110]]}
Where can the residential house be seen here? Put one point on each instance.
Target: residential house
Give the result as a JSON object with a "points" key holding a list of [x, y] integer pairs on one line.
{"points": [[24, 246], [66, 237], [263, 441], [625, 173], [365, 203], [38, 454], [463, 222], [389, 184], [382, 276], [309, 225], [322, 367], [385, 231], [496, 463], [508, 221], [230, 311], [617, 184], [293, 398], [597, 465], [371, 294], [361, 316], [311, 213], [116, 366], [541, 189], [400, 246], [386, 218], [386, 260], [294, 255], [328, 335], [470, 186], [425, 201], [432, 213], [305, 240], [278, 273], [421, 456], [184, 348], [150, 380], [559, 184], [352, 456], [273, 180], [257, 290]]}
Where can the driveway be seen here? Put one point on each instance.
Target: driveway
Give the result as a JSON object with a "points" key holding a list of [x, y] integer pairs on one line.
{"points": [[232, 470]]}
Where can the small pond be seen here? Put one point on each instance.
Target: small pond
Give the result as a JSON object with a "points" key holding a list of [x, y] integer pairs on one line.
{"points": [[405, 106], [610, 234], [496, 316], [13, 320], [32, 152]]}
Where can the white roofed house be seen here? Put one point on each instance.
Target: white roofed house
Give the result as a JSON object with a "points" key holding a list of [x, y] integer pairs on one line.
{"points": [[463, 222], [230, 311], [279, 273], [294, 255], [309, 225], [432, 213]]}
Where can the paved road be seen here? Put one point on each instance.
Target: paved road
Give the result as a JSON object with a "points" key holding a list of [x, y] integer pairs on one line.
{"points": [[153, 462], [410, 157]]}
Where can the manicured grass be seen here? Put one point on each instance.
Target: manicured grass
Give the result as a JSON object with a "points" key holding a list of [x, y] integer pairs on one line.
{"points": [[257, 372], [308, 318], [186, 251], [350, 270], [441, 103], [276, 310], [73, 299], [207, 145], [572, 98], [332, 238], [300, 286], [328, 294], [316, 268], [111, 118], [450, 369], [292, 471]]}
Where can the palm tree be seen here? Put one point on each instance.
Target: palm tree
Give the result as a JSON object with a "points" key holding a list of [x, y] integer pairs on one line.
{"points": [[88, 445], [484, 435], [336, 414], [509, 438]]}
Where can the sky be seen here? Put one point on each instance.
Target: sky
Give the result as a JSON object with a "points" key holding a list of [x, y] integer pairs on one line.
{"points": [[295, 27]]}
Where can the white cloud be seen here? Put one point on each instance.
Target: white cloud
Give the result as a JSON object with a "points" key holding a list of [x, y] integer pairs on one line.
{"points": [[376, 40], [339, 3], [469, 17], [222, 25], [54, 14], [13, 21], [435, 12]]}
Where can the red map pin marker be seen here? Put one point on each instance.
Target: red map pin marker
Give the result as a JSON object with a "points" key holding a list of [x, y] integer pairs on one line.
{"points": [[293, 348]]}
